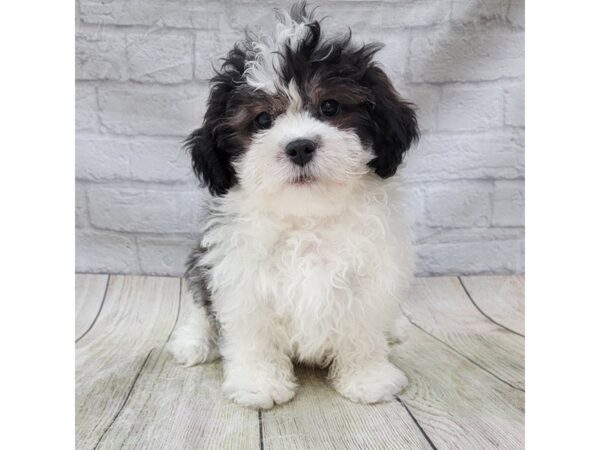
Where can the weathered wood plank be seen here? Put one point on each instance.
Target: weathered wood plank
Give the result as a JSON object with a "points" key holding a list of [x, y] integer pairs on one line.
{"points": [[502, 298], [456, 403], [320, 418], [89, 293], [137, 316], [181, 408], [441, 307], [130, 394]]}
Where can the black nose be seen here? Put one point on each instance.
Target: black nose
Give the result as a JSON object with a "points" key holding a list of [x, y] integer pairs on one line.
{"points": [[300, 151]]}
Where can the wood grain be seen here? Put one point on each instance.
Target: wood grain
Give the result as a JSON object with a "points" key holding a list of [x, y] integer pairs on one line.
{"points": [[89, 293], [456, 403], [440, 306], [461, 365], [137, 316], [320, 418], [181, 408], [502, 298]]}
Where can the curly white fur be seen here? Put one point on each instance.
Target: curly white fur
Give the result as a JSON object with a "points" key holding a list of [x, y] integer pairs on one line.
{"points": [[322, 290], [302, 272]]}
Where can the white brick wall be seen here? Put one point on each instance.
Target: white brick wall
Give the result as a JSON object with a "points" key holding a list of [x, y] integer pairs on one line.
{"points": [[142, 68]]}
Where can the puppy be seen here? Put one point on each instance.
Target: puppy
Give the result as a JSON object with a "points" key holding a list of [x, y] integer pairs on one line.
{"points": [[304, 254]]}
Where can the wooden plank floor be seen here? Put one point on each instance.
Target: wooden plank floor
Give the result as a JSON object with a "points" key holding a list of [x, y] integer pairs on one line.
{"points": [[462, 349]]}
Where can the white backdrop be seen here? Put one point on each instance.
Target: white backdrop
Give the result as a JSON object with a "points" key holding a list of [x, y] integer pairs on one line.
{"points": [[142, 68]]}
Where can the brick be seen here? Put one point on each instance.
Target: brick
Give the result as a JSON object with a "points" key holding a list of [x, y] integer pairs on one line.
{"points": [[393, 57], [497, 154], [361, 18], [104, 252], [471, 108], [254, 17], [476, 234], [416, 13], [152, 110], [459, 204], [86, 108], [210, 48], [414, 208], [145, 210], [514, 104], [164, 160], [516, 13], [160, 57], [509, 203], [470, 258], [151, 160], [81, 216], [101, 159], [467, 54], [100, 55], [467, 11], [427, 99], [156, 13], [164, 256], [142, 159]]}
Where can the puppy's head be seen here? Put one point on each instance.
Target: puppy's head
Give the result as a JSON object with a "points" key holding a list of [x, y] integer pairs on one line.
{"points": [[295, 119]]}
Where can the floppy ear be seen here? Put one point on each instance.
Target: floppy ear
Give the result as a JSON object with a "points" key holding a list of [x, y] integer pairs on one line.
{"points": [[394, 122], [211, 164], [214, 146]]}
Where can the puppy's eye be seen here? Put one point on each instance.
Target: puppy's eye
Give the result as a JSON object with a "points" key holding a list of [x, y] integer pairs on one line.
{"points": [[330, 108], [263, 121]]}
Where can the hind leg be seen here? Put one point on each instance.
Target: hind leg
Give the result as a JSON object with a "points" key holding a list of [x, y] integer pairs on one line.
{"points": [[195, 342]]}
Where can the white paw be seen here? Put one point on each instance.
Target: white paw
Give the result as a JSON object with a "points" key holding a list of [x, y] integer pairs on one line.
{"points": [[189, 345], [259, 391], [371, 384]]}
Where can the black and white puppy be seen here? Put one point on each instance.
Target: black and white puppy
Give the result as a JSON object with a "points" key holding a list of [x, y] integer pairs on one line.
{"points": [[304, 255]]}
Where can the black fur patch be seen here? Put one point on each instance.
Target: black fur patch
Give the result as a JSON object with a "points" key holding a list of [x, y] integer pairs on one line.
{"points": [[213, 146], [196, 277]]}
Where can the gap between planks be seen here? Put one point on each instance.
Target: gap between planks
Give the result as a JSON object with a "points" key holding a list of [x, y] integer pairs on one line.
{"points": [[440, 307], [460, 279], [80, 300], [139, 372], [260, 413], [103, 364], [414, 419]]}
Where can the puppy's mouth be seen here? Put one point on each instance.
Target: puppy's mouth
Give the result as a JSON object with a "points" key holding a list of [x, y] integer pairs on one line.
{"points": [[303, 179]]}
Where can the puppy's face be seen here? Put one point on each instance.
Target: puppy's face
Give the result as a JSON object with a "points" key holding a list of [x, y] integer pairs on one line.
{"points": [[297, 121]]}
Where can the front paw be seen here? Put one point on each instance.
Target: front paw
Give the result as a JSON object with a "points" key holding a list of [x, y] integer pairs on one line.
{"points": [[259, 391], [371, 384]]}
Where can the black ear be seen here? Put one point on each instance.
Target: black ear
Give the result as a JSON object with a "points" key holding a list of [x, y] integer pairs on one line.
{"points": [[211, 164], [214, 146], [394, 123]]}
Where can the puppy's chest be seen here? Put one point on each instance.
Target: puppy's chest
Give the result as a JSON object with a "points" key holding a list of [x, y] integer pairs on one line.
{"points": [[312, 274], [305, 256], [300, 250], [307, 262]]}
